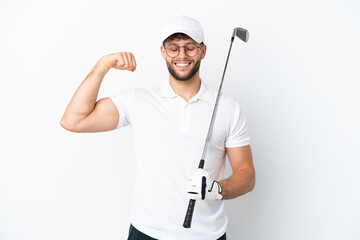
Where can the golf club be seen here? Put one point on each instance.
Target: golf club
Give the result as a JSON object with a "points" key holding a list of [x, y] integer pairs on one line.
{"points": [[243, 34]]}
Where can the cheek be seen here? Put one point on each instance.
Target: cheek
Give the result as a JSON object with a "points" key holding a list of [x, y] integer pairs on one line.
{"points": [[169, 61]]}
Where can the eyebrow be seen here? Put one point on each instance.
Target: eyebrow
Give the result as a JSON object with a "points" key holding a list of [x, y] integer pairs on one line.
{"points": [[193, 42]]}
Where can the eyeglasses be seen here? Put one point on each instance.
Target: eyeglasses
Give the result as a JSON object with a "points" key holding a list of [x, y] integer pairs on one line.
{"points": [[191, 49]]}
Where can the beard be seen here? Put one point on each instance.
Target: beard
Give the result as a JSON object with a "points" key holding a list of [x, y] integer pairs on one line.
{"points": [[191, 74]]}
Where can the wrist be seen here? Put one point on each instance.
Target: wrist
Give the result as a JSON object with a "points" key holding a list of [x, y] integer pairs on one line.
{"points": [[223, 188], [101, 66]]}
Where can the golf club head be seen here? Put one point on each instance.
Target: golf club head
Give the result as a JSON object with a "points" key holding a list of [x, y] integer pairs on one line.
{"points": [[241, 33]]}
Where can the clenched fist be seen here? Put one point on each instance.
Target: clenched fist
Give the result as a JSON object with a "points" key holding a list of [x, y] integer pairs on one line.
{"points": [[119, 60]]}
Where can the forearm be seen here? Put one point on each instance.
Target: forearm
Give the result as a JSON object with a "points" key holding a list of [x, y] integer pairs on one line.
{"points": [[84, 99], [237, 184]]}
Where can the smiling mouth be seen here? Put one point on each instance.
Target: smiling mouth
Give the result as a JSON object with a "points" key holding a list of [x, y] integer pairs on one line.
{"points": [[182, 65]]}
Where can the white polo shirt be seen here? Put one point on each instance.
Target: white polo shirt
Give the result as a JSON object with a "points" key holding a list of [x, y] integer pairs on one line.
{"points": [[168, 137]]}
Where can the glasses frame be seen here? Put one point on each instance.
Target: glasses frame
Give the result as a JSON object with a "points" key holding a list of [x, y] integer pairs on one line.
{"points": [[178, 51]]}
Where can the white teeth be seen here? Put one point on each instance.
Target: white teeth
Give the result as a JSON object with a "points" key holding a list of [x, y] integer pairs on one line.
{"points": [[182, 64]]}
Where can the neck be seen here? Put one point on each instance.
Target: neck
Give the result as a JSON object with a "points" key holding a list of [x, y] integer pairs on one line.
{"points": [[186, 89]]}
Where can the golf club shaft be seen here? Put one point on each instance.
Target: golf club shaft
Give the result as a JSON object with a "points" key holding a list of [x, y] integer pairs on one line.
{"points": [[216, 105], [191, 206]]}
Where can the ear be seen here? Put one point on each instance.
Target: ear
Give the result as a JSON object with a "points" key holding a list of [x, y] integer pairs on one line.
{"points": [[162, 49], [203, 51]]}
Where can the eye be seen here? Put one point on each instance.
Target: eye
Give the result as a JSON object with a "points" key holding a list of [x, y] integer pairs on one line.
{"points": [[191, 47], [173, 48]]}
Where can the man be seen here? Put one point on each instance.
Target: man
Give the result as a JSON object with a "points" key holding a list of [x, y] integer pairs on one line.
{"points": [[169, 126]]}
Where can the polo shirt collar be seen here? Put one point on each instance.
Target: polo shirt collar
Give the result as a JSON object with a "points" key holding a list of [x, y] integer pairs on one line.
{"points": [[204, 92]]}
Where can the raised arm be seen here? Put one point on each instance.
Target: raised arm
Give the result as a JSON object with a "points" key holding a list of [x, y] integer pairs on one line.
{"points": [[84, 113]]}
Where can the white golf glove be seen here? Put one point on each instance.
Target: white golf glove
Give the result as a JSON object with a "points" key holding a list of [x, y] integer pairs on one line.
{"points": [[201, 187]]}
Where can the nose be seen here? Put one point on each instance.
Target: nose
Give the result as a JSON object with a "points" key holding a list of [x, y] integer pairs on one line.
{"points": [[182, 52]]}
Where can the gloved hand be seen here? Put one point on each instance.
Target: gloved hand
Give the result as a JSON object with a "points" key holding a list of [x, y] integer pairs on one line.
{"points": [[201, 187]]}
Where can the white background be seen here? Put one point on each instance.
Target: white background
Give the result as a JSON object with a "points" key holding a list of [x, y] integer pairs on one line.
{"points": [[297, 79]]}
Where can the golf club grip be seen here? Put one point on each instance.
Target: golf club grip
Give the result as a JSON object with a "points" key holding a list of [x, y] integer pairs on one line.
{"points": [[191, 206], [189, 214]]}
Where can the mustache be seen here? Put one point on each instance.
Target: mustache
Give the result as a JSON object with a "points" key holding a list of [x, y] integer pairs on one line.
{"points": [[182, 59]]}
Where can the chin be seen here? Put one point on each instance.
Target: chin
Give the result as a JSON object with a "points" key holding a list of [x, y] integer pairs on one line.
{"points": [[182, 78]]}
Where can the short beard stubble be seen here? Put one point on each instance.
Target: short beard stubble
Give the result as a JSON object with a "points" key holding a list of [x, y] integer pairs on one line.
{"points": [[186, 77]]}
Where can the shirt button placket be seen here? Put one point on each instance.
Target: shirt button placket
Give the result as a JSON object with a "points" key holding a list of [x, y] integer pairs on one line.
{"points": [[184, 122]]}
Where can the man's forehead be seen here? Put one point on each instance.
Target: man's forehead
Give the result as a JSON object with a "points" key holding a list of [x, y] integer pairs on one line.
{"points": [[181, 41]]}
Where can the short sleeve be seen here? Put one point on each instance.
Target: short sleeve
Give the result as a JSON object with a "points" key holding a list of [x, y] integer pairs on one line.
{"points": [[124, 102], [237, 135]]}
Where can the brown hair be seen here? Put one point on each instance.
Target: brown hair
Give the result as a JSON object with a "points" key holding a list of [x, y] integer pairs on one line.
{"points": [[179, 36]]}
